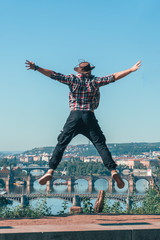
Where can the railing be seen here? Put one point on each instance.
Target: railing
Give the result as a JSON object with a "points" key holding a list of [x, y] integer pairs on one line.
{"points": [[69, 197]]}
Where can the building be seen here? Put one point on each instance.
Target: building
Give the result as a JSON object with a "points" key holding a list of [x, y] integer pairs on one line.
{"points": [[45, 157], [36, 158], [92, 159]]}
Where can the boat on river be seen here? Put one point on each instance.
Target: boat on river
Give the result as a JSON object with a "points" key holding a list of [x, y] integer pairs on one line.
{"points": [[60, 183], [18, 183]]}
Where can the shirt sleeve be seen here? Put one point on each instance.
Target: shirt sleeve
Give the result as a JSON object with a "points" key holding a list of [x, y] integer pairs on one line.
{"points": [[102, 81], [66, 79]]}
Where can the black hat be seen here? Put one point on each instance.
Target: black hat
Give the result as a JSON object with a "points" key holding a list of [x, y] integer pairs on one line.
{"points": [[84, 67]]}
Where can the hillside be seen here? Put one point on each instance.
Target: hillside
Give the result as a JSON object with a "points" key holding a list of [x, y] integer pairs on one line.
{"points": [[89, 150]]}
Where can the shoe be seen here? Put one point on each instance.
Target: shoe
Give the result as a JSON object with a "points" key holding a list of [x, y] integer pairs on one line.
{"points": [[117, 178], [46, 177]]}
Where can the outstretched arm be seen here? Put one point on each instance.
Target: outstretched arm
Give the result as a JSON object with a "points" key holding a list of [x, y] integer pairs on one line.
{"points": [[66, 79], [33, 66], [124, 73]]}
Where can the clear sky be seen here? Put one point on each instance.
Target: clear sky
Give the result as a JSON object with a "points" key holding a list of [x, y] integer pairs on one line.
{"points": [[112, 35]]}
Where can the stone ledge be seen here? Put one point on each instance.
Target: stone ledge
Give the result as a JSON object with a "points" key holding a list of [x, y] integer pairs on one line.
{"points": [[85, 227]]}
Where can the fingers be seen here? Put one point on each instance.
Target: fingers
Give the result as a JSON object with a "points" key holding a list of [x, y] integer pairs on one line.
{"points": [[136, 66], [29, 62], [138, 63], [29, 65]]}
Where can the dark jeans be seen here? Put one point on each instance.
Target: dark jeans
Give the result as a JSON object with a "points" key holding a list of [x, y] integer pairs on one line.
{"points": [[82, 122]]}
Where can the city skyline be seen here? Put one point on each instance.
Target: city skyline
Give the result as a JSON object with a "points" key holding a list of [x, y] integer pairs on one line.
{"points": [[111, 35], [78, 144]]}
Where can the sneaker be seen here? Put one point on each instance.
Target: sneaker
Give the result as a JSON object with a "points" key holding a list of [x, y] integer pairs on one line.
{"points": [[117, 178], [46, 177]]}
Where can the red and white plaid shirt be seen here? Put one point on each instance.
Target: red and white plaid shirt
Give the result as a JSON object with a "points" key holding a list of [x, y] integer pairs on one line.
{"points": [[84, 90]]}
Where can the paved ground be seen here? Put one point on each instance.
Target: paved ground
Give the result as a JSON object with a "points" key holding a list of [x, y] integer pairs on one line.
{"points": [[81, 223]]}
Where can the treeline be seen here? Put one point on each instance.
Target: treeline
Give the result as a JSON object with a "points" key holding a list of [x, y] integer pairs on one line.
{"points": [[37, 151], [133, 148], [79, 168], [8, 162], [117, 149]]}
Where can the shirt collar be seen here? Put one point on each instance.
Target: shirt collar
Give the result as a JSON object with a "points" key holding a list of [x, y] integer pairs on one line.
{"points": [[81, 75]]}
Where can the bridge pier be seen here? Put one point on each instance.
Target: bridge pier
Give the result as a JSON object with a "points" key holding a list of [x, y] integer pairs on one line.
{"points": [[90, 184], [110, 185], [76, 207], [7, 189], [24, 201], [49, 185], [29, 189], [151, 183], [29, 185], [90, 188], [8, 182], [70, 188], [129, 202], [29, 181], [131, 184], [70, 182]]}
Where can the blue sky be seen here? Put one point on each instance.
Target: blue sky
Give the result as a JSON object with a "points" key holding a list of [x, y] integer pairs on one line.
{"points": [[112, 35]]}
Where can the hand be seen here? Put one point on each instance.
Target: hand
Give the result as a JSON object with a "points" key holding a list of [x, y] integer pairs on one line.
{"points": [[136, 66], [30, 65]]}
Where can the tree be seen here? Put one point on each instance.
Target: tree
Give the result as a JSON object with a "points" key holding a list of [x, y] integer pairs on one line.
{"points": [[151, 203], [4, 162], [139, 165]]}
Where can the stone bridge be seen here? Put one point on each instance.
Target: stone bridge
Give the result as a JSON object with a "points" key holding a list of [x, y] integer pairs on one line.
{"points": [[25, 198], [8, 180], [131, 179], [29, 169]]}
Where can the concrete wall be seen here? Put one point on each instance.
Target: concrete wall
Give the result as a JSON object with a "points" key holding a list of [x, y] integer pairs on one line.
{"points": [[141, 234]]}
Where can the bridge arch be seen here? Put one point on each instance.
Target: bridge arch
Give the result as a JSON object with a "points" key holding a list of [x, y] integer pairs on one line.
{"points": [[2, 183], [35, 167], [81, 183], [102, 182], [126, 186], [60, 184], [34, 172], [142, 185]]}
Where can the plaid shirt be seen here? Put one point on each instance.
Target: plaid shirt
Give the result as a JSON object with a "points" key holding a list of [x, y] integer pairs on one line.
{"points": [[84, 90]]}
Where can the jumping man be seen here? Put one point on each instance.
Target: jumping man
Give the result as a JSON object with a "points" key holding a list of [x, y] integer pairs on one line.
{"points": [[84, 98]]}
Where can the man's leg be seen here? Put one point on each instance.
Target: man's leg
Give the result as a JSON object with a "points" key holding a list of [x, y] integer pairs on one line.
{"points": [[95, 134], [69, 131]]}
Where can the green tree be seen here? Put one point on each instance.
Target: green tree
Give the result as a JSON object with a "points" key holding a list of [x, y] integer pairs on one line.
{"points": [[87, 205], [151, 203], [116, 208], [139, 165], [4, 162]]}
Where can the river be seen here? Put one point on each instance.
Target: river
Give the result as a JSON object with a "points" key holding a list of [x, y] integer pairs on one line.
{"points": [[80, 188]]}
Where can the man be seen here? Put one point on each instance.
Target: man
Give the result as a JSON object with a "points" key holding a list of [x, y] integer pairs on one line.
{"points": [[84, 98]]}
